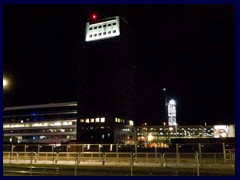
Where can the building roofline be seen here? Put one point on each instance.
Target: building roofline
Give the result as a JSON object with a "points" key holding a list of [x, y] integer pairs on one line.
{"points": [[48, 105]]}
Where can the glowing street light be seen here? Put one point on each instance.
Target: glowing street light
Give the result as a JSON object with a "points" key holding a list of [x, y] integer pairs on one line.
{"points": [[5, 83]]}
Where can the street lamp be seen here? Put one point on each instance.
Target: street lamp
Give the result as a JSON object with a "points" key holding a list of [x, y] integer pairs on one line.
{"points": [[5, 89], [5, 82], [39, 148], [25, 148]]}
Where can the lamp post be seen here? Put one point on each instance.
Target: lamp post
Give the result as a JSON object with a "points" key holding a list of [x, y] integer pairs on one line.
{"points": [[39, 148], [25, 148], [11, 154], [166, 103]]}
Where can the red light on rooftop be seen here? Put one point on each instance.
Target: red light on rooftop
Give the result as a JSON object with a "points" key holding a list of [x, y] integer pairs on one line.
{"points": [[94, 16]]}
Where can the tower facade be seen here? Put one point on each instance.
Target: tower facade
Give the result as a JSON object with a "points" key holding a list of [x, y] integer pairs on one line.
{"points": [[106, 83], [172, 113]]}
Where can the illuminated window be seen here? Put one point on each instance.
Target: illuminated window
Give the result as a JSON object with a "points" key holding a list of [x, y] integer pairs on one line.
{"points": [[97, 119], [81, 120], [87, 121], [116, 119], [131, 123], [102, 119], [92, 120]]}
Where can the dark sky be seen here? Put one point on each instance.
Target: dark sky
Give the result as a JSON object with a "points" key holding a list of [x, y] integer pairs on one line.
{"points": [[188, 49]]}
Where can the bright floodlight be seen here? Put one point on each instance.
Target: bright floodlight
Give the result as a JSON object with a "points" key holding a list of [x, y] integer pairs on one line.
{"points": [[172, 102]]}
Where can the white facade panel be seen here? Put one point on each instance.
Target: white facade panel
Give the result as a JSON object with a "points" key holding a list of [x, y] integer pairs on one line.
{"points": [[102, 30]]}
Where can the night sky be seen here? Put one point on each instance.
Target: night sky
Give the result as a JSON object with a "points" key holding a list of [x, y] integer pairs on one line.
{"points": [[187, 49]]}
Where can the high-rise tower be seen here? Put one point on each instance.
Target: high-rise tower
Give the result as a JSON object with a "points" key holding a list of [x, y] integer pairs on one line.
{"points": [[106, 84]]}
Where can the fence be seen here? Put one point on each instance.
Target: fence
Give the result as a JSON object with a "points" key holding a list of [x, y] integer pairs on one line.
{"points": [[125, 156], [199, 162]]}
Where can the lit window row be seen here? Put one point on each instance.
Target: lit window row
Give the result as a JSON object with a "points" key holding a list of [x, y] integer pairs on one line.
{"points": [[94, 128], [93, 120], [55, 130], [102, 34], [119, 120], [102, 26], [43, 124]]}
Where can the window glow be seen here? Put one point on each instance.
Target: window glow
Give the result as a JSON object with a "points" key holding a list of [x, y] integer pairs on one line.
{"points": [[97, 119], [131, 123], [150, 137], [43, 124], [58, 124], [102, 119]]}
